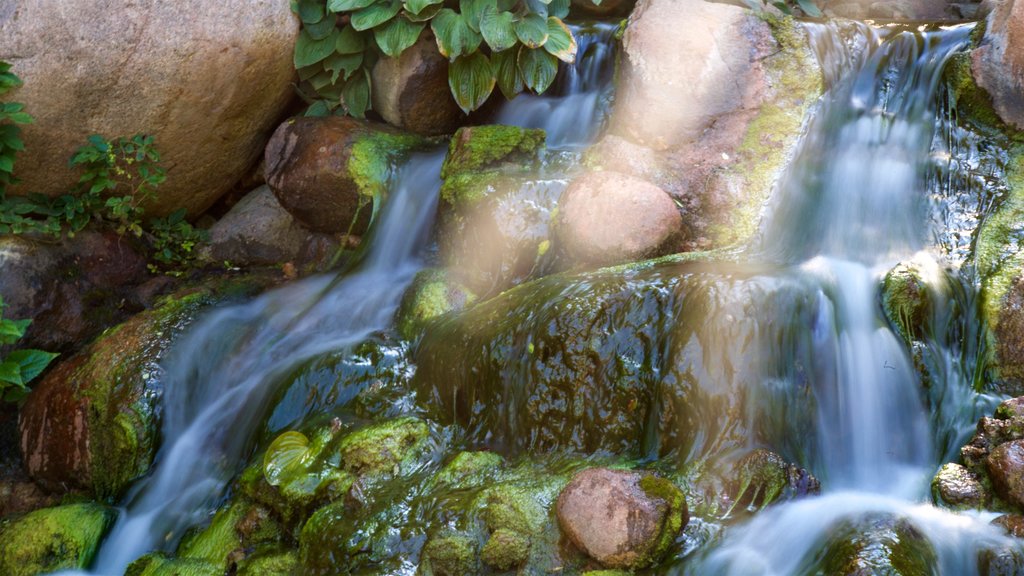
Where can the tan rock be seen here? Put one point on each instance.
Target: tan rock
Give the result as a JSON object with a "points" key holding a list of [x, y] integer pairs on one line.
{"points": [[998, 64]]}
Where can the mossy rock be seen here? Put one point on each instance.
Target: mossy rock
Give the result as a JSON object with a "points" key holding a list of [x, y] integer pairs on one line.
{"points": [[506, 549], [451, 555], [432, 294], [52, 539], [469, 470], [477, 151], [906, 301], [876, 544], [272, 561], [158, 564], [383, 448], [234, 529]]}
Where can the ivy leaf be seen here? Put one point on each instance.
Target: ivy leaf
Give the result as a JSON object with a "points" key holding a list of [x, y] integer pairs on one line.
{"points": [[532, 30], [348, 5], [309, 51], [310, 11], [472, 10], [323, 28], [471, 79], [506, 70], [809, 8], [454, 37], [395, 36], [498, 29], [560, 42], [375, 14], [356, 94], [350, 41], [417, 6], [538, 69], [31, 362]]}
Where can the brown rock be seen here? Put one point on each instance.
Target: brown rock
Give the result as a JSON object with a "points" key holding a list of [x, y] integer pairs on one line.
{"points": [[609, 218], [607, 515], [412, 93], [1006, 467], [1012, 523], [587, 8], [998, 64], [207, 79], [959, 487]]}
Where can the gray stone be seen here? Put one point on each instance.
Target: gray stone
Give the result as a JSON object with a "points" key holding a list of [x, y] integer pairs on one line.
{"points": [[257, 230]]}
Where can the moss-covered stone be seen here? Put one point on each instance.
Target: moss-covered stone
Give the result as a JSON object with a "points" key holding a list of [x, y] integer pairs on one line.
{"points": [[675, 519], [234, 529], [431, 294], [505, 550], [474, 153], [374, 154], [876, 544], [469, 469], [972, 102], [158, 564], [383, 448], [52, 539], [906, 302], [449, 556], [273, 561]]}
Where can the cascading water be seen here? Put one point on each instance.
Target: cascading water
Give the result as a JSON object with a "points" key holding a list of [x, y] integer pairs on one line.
{"points": [[220, 379]]}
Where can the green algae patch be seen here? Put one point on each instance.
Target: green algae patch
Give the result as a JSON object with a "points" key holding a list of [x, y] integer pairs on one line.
{"points": [[270, 562], [876, 544], [432, 294], [479, 155], [469, 470], [506, 549], [675, 519], [52, 539], [373, 157], [449, 556], [383, 448], [238, 527], [157, 564], [906, 301]]}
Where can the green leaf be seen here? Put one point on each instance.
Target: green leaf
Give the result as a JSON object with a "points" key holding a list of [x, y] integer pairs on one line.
{"points": [[309, 51], [310, 11], [12, 330], [286, 455], [454, 37], [560, 8], [10, 372], [347, 5], [560, 42], [810, 8], [506, 70], [32, 362], [538, 7], [426, 14], [472, 11], [498, 29], [532, 30], [375, 14], [323, 28], [538, 69], [356, 94], [471, 79], [417, 6], [395, 36], [350, 41], [342, 65], [320, 108]]}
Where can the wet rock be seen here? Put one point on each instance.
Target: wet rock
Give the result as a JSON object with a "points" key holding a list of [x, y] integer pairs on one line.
{"points": [[477, 153], [614, 517], [71, 289], [469, 469], [90, 423], [412, 93], [505, 550], [1007, 335], [906, 301], [876, 544], [158, 564], [609, 218], [257, 231], [53, 539], [1006, 467], [449, 556], [1012, 523], [432, 293], [604, 8], [327, 171], [19, 496], [270, 562], [997, 63], [958, 487], [936, 10], [763, 477], [233, 533], [209, 87]]}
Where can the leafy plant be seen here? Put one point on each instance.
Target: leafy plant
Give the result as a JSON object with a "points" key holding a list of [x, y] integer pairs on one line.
{"points": [[19, 367], [174, 241], [11, 114], [788, 7], [514, 45]]}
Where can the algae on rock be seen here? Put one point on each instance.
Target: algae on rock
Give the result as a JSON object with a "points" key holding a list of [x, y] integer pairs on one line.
{"points": [[53, 539]]}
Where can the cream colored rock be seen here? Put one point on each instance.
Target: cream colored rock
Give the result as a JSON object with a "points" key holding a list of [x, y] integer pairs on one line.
{"points": [[998, 65], [209, 79]]}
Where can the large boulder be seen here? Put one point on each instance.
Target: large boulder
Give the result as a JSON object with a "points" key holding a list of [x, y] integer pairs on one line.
{"points": [[327, 171], [207, 79], [412, 93], [53, 539], [998, 63], [609, 218], [1006, 466]]}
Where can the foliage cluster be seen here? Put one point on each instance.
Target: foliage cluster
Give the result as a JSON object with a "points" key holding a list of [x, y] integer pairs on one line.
{"points": [[118, 177], [19, 367], [515, 45]]}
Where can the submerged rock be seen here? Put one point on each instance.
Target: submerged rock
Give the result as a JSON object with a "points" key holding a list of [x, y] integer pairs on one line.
{"points": [[53, 539], [449, 556], [906, 301], [875, 544], [620, 518], [763, 477], [608, 218], [506, 549], [209, 87], [327, 171], [412, 93], [432, 294]]}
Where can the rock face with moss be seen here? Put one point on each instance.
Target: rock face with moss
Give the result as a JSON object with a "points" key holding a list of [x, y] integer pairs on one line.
{"points": [[327, 171], [876, 544], [91, 422], [432, 294], [53, 539], [998, 61], [619, 518]]}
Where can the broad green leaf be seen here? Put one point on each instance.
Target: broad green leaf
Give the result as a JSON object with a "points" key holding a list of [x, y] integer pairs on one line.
{"points": [[309, 51], [323, 28], [356, 94], [454, 37], [538, 69], [395, 36], [471, 79], [32, 362], [319, 109], [498, 29], [532, 30], [285, 456], [375, 14], [560, 42], [560, 8], [417, 6], [350, 41], [347, 5], [322, 80], [310, 11], [809, 8], [10, 373], [307, 72], [506, 70], [537, 7], [424, 15], [343, 63], [472, 10], [12, 330]]}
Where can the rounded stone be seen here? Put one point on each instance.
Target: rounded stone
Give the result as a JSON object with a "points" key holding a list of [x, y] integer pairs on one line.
{"points": [[1006, 467], [607, 514], [609, 218], [412, 93], [955, 485], [207, 79]]}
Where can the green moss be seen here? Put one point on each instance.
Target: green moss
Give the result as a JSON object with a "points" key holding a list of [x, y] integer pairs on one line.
{"points": [[607, 573], [506, 550], [468, 469], [475, 153], [431, 294], [373, 156], [272, 561], [513, 507], [876, 544], [449, 556], [971, 102], [52, 539], [384, 447], [241, 525], [906, 301], [159, 565], [675, 519]]}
